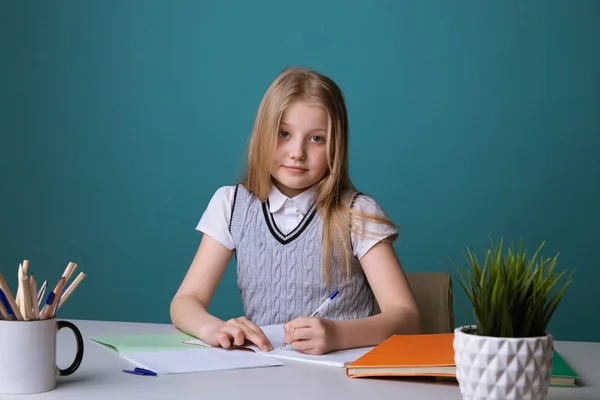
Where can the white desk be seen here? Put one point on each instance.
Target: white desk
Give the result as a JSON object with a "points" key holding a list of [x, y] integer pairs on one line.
{"points": [[100, 376]]}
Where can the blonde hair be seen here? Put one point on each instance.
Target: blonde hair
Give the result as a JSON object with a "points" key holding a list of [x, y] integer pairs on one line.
{"points": [[301, 84]]}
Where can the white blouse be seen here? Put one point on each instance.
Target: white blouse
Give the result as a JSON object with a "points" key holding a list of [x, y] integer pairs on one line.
{"points": [[288, 213]]}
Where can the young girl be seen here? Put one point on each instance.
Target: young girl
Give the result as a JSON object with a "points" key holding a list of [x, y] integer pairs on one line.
{"points": [[298, 230]]}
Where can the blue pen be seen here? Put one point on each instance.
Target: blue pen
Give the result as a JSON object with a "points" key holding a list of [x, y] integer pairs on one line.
{"points": [[7, 306], [5, 311], [318, 310], [58, 301], [41, 292], [140, 371], [322, 306]]}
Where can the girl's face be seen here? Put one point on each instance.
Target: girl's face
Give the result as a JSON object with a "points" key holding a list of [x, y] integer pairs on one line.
{"points": [[300, 158]]}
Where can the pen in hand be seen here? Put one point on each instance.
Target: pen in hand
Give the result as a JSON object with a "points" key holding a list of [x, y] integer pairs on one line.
{"points": [[318, 310]]}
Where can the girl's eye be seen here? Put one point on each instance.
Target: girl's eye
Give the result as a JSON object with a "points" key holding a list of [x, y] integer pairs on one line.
{"points": [[317, 139], [284, 134]]}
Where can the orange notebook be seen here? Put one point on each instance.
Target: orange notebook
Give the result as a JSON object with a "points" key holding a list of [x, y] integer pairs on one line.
{"points": [[432, 355], [408, 355]]}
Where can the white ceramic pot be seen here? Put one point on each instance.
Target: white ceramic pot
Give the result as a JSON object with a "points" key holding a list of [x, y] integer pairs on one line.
{"points": [[489, 368]]}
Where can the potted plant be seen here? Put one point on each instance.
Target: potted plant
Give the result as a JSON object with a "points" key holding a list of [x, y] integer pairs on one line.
{"points": [[507, 353]]}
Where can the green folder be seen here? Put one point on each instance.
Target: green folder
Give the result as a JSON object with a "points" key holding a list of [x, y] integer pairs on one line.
{"points": [[145, 342], [562, 373]]}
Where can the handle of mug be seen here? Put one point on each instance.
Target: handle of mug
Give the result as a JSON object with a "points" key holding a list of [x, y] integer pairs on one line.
{"points": [[79, 356]]}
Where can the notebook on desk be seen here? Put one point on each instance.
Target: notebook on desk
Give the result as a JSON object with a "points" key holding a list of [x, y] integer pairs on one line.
{"points": [[407, 355], [431, 355], [167, 354], [276, 334], [563, 375]]}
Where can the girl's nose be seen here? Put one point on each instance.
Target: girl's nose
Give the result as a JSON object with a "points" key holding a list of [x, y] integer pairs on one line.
{"points": [[297, 150]]}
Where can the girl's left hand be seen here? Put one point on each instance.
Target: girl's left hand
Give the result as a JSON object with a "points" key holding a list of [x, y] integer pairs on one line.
{"points": [[311, 335]]}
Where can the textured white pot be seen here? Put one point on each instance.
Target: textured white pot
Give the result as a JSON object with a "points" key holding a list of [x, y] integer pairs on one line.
{"points": [[489, 368]]}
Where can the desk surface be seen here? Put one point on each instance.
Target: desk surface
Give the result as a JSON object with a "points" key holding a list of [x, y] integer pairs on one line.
{"points": [[100, 376]]}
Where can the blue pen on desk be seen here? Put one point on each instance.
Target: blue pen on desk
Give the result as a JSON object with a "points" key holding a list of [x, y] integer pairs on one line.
{"points": [[318, 310], [140, 371]]}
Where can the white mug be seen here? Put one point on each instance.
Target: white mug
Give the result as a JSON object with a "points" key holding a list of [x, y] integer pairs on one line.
{"points": [[28, 355]]}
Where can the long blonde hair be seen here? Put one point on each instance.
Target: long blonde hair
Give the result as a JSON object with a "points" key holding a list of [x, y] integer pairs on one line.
{"points": [[291, 85]]}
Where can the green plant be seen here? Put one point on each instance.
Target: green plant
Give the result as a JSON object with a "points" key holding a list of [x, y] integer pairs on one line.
{"points": [[511, 296]]}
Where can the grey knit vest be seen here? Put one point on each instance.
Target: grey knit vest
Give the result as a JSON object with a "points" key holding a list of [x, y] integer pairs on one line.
{"points": [[280, 276]]}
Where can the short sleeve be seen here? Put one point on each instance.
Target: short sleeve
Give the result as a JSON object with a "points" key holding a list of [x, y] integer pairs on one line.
{"points": [[369, 232], [215, 219]]}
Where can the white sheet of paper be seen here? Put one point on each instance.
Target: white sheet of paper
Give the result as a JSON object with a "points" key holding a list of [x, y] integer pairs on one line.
{"points": [[208, 359], [276, 334]]}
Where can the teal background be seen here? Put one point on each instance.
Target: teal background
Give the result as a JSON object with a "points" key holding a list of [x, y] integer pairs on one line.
{"points": [[119, 120]]}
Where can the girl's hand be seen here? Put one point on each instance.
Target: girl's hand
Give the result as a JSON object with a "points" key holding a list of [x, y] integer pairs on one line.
{"points": [[311, 335], [236, 332]]}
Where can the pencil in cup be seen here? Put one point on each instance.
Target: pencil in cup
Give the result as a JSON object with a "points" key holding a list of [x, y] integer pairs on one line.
{"points": [[18, 293], [318, 310], [50, 306], [67, 292], [23, 268], [25, 304], [61, 292], [33, 296]]}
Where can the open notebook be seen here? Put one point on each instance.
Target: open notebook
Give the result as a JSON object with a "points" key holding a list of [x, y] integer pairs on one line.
{"points": [[276, 333], [167, 354]]}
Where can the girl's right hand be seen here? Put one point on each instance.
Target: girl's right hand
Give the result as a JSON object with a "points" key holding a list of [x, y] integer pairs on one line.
{"points": [[237, 331]]}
